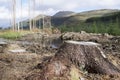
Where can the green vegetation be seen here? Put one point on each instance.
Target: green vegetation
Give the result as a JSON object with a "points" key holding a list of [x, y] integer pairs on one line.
{"points": [[10, 35], [75, 74], [95, 25], [7, 34], [103, 21]]}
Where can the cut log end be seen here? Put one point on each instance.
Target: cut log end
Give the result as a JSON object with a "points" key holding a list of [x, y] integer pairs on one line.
{"points": [[89, 54], [83, 43]]}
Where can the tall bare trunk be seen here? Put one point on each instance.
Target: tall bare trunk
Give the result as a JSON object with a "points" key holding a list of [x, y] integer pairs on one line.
{"points": [[30, 23], [34, 22], [14, 15], [21, 25]]}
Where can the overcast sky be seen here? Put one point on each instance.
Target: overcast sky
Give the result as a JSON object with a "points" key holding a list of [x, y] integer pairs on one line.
{"points": [[50, 7]]}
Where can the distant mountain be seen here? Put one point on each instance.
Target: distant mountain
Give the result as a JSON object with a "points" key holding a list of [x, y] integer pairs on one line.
{"points": [[94, 13], [41, 16], [104, 19], [64, 14], [82, 17]]}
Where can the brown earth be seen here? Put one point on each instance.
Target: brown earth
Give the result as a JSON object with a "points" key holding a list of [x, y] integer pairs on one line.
{"points": [[25, 66]]}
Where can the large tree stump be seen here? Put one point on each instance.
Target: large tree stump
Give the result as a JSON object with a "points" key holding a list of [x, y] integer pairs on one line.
{"points": [[87, 55]]}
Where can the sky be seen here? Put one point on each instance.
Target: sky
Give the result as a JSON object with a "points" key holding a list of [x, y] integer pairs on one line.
{"points": [[50, 7]]}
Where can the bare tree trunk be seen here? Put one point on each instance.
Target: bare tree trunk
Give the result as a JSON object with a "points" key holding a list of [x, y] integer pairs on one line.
{"points": [[14, 15], [18, 27], [34, 22], [21, 24], [43, 23], [30, 23]]}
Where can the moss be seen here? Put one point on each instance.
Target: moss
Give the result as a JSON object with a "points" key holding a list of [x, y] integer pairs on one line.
{"points": [[75, 74]]}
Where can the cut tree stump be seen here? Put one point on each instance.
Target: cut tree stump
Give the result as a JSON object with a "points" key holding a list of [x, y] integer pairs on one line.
{"points": [[86, 55]]}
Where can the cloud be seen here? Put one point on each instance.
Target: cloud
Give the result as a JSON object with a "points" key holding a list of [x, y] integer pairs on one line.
{"points": [[4, 1], [4, 13], [50, 7]]}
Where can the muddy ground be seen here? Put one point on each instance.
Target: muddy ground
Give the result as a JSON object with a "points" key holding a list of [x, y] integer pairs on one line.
{"points": [[21, 59]]}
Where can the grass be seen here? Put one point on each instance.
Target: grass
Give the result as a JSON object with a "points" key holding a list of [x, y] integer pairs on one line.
{"points": [[8, 34]]}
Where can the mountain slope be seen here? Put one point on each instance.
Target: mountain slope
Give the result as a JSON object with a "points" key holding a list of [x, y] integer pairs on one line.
{"points": [[97, 21], [103, 21], [63, 14], [82, 17]]}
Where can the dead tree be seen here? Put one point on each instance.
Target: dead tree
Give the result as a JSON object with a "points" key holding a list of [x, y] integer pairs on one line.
{"points": [[14, 14], [34, 7], [21, 23], [87, 55], [29, 12]]}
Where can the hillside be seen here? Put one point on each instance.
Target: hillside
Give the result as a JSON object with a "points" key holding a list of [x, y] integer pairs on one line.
{"points": [[90, 21], [96, 21], [63, 14], [60, 17], [83, 16]]}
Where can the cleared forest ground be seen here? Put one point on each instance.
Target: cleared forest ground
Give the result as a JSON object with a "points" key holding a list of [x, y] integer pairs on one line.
{"points": [[27, 65]]}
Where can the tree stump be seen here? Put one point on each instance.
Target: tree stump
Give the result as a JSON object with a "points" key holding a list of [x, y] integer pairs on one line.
{"points": [[87, 55]]}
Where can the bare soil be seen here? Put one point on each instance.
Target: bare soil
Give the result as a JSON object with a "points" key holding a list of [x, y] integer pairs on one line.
{"points": [[28, 65]]}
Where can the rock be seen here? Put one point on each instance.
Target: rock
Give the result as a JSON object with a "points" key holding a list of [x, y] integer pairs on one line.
{"points": [[3, 46]]}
